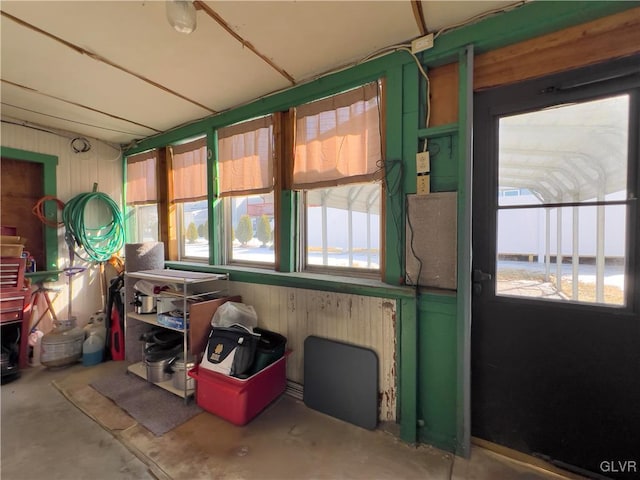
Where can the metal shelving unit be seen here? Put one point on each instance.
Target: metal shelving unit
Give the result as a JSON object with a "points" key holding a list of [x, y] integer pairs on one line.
{"points": [[191, 286]]}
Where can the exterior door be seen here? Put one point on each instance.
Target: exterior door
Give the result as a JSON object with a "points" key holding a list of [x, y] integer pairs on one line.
{"points": [[555, 327]]}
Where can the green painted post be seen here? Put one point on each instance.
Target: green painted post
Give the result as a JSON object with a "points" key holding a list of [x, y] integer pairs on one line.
{"points": [[287, 231], [406, 319], [394, 166], [410, 123], [465, 171], [213, 209]]}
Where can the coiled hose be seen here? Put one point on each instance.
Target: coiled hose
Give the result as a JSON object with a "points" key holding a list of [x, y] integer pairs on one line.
{"points": [[100, 242]]}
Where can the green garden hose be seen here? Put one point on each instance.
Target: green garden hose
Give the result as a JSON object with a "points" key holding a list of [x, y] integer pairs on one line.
{"points": [[99, 242]]}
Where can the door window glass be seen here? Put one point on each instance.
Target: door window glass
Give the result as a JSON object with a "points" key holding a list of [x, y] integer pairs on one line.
{"points": [[562, 190]]}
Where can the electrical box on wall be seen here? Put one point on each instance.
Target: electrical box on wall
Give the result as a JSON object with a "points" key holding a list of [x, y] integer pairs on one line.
{"points": [[423, 184], [423, 163], [423, 168]]}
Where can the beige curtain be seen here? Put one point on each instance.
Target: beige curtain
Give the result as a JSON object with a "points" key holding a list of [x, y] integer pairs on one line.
{"points": [[189, 171], [245, 157], [337, 140], [142, 179]]}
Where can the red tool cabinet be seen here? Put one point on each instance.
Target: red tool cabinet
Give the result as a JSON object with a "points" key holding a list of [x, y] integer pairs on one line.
{"points": [[14, 301]]}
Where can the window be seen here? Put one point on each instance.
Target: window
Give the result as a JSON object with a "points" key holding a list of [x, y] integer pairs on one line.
{"points": [[193, 218], [189, 195], [564, 236], [319, 164], [246, 182], [337, 162], [142, 197], [343, 226]]}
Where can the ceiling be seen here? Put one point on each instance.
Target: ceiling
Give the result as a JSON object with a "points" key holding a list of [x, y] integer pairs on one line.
{"points": [[117, 71]]}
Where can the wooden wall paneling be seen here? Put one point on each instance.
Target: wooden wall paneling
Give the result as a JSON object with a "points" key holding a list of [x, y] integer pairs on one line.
{"points": [[359, 320], [22, 187], [590, 43], [444, 94]]}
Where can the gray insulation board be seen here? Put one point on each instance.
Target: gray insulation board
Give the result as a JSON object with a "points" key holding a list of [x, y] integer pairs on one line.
{"points": [[431, 237], [341, 380]]}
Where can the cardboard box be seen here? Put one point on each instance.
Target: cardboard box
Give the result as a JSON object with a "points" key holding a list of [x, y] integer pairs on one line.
{"points": [[239, 400], [166, 320]]}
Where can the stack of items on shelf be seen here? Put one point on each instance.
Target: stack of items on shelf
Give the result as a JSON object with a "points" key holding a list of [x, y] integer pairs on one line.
{"points": [[14, 295], [177, 305], [161, 347], [243, 367]]}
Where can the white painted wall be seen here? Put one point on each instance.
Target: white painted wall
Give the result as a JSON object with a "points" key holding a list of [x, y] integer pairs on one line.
{"points": [[297, 313], [76, 173]]}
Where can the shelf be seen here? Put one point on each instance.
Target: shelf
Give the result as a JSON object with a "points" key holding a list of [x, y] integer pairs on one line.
{"points": [[152, 319], [190, 291], [438, 131], [191, 296], [140, 370], [177, 276]]}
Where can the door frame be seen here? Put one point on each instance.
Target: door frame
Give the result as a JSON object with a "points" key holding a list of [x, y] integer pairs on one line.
{"points": [[49, 165]]}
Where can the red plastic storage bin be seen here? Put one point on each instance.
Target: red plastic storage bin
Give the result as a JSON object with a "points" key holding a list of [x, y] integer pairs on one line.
{"points": [[239, 400]]}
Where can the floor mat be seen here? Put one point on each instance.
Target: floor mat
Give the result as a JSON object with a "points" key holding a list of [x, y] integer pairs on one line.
{"points": [[154, 408]]}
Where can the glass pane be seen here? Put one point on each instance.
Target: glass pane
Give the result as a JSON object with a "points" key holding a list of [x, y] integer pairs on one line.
{"points": [[591, 264], [570, 153], [195, 229], [343, 226], [142, 223], [252, 228]]}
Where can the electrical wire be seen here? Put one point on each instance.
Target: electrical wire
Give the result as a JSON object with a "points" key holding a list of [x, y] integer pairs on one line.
{"points": [[67, 119], [38, 211], [479, 16], [70, 136], [101, 242], [392, 191], [415, 282]]}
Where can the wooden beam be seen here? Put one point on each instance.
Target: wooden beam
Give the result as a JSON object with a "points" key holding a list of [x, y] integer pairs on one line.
{"points": [[101, 59], [444, 94], [416, 6], [245, 43], [33, 90], [609, 37]]}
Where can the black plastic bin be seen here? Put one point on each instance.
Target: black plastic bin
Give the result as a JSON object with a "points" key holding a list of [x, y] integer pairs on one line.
{"points": [[271, 347]]}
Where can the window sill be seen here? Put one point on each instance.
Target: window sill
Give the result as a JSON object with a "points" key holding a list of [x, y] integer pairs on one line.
{"points": [[310, 281]]}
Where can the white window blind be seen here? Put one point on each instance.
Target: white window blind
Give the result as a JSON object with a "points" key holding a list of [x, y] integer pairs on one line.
{"points": [[338, 140], [189, 171], [245, 157], [142, 183]]}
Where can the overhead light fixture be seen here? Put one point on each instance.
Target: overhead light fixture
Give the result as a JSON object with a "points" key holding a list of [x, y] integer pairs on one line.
{"points": [[182, 15]]}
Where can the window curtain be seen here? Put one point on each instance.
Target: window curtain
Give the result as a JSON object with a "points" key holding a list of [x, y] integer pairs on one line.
{"points": [[189, 171], [338, 140], [245, 158], [142, 179]]}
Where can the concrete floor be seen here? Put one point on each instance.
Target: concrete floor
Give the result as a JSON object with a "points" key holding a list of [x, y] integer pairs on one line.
{"points": [[44, 435]]}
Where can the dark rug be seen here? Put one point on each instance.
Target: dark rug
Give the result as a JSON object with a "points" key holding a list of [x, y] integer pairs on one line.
{"points": [[153, 407]]}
